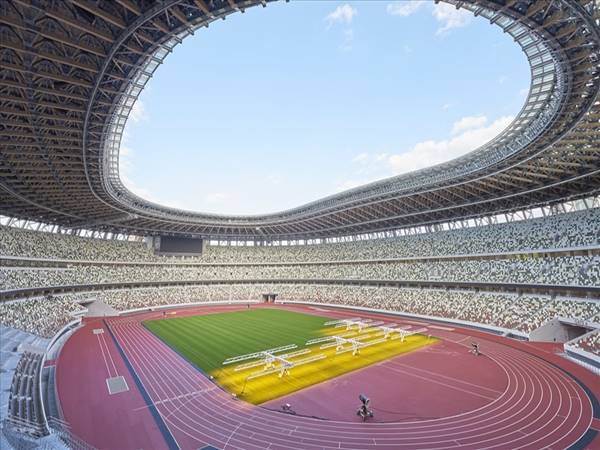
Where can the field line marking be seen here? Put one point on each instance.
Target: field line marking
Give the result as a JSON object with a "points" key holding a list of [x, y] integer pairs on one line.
{"points": [[192, 397], [177, 397], [396, 364], [438, 382], [104, 357], [109, 355], [170, 439], [231, 435]]}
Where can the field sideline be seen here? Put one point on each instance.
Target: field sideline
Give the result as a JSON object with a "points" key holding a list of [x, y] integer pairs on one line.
{"points": [[207, 340]]}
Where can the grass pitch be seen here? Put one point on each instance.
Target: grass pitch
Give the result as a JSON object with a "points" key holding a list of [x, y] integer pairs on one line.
{"points": [[208, 340]]}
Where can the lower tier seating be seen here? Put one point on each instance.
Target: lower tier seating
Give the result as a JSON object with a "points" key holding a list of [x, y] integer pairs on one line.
{"points": [[523, 313], [24, 405], [589, 343]]}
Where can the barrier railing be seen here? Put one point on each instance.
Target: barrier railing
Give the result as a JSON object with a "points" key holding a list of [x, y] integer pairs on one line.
{"points": [[458, 322], [55, 338], [14, 433], [62, 429], [583, 358]]}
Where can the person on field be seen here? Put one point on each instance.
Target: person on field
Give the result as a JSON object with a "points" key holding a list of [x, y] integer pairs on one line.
{"points": [[363, 411]]}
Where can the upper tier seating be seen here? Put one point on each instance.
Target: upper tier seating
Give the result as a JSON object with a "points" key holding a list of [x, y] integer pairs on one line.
{"points": [[579, 229], [564, 270], [361, 261]]}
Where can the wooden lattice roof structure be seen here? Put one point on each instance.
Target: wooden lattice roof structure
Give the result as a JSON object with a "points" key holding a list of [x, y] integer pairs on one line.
{"points": [[71, 70]]}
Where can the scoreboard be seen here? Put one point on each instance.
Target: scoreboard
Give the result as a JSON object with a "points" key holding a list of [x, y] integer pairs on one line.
{"points": [[175, 245]]}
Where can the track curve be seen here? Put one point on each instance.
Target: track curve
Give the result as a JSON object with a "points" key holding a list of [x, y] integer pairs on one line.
{"points": [[541, 407]]}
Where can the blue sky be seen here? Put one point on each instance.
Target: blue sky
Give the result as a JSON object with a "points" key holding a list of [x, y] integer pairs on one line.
{"points": [[283, 105]]}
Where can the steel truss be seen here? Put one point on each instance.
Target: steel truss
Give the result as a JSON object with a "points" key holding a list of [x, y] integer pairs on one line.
{"points": [[70, 72]]}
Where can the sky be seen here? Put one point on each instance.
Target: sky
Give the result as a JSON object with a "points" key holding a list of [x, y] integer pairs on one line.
{"points": [[283, 105]]}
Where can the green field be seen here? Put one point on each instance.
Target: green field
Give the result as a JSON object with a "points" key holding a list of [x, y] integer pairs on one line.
{"points": [[207, 340]]}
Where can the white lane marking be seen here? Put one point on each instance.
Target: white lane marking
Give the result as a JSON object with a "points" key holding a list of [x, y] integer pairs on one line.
{"points": [[405, 372], [178, 397], [395, 364], [231, 435], [437, 327], [103, 340], [252, 418], [104, 356]]}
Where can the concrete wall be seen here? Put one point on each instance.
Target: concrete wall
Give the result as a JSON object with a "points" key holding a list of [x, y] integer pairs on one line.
{"points": [[556, 331]]}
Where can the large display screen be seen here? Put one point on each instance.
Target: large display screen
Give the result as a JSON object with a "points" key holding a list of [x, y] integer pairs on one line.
{"points": [[181, 245]]}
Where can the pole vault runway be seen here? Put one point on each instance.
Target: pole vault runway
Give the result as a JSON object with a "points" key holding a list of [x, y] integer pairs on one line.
{"points": [[541, 406]]}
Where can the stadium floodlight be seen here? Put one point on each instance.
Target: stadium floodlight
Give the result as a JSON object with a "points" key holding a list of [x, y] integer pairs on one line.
{"points": [[286, 365], [340, 342], [389, 329], [403, 333], [250, 365], [320, 340], [342, 321], [261, 354], [269, 360], [359, 324], [355, 341], [369, 324], [347, 334], [272, 361], [358, 345]]}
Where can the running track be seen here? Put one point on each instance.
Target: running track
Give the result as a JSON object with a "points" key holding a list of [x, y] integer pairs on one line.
{"points": [[541, 406]]}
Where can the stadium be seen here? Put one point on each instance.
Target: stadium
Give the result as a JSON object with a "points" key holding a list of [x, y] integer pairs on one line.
{"points": [[452, 306]]}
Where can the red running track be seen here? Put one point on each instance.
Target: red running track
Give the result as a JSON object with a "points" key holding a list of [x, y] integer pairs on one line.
{"points": [[429, 383], [84, 363], [540, 407]]}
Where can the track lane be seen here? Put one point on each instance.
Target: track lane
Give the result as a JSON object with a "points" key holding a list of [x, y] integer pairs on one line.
{"points": [[536, 406]]}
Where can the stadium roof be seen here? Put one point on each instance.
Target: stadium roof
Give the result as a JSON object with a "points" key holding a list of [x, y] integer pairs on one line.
{"points": [[70, 72]]}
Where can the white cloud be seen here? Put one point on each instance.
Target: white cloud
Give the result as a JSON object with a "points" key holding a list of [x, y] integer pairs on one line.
{"points": [[468, 123], [361, 157], [446, 106], [275, 179], [431, 152], [215, 197], [367, 158], [126, 156], [502, 79], [373, 166], [342, 14], [405, 8], [138, 112], [449, 17], [344, 185], [125, 164], [347, 41], [125, 151], [523, 92], [467, 134]]}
